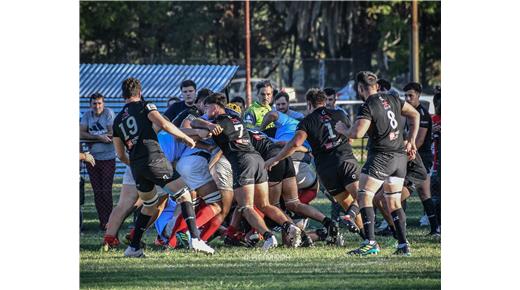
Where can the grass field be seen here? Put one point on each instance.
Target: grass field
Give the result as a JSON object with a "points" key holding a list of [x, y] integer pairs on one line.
{"points": [[321, 267]]}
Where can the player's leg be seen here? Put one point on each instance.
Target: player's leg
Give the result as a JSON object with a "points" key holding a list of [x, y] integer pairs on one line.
{"points": [[424, 191], [128, 202], [244, 196]]}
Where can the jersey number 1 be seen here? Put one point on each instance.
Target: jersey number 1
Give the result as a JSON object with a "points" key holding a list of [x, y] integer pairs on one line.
{"points": [[132, 126], [331, 133]]}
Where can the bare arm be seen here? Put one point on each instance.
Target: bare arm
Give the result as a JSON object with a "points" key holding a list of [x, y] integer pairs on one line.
{"points": [[84, 134], [200, 123], [215, 159], [120, 150], [413, 117], [268, 119], [288, 149], [421, 137], [165, 125]]}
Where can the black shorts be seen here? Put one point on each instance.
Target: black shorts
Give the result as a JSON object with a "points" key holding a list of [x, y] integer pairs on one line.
{"points": [[147, 174], [415, 174], [248, 169], [381, 165], [335, 177], [427, 160], [283, 170]]}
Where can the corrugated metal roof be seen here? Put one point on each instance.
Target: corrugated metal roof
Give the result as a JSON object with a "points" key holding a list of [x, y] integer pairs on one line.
{"points": [[158, 80]]}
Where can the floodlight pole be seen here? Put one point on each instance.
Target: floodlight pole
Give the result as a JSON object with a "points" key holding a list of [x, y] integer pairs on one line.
{"points": [[248, 56], [415, 41]]}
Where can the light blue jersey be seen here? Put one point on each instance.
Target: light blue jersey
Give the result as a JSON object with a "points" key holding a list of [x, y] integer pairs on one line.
{"points": [[172, 148], [286, 128]]}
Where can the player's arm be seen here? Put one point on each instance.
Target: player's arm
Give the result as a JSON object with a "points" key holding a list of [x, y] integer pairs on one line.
{"points": [[215, 129], [357, 131], [215, 159], [289, 148], [120, 150], [421, 135], [165, 125], [414, 118], [268, 119]]}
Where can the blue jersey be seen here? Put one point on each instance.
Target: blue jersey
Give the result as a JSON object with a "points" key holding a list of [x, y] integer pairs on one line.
{"points": [[286, 128], [172, 148]]}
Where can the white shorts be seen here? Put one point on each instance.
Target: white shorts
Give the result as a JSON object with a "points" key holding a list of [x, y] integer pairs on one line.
{"points": [[223, 174], [305, 174], [128, 179], [194, 171]]}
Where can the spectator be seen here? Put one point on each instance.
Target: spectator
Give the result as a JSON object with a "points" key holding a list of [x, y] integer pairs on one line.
{"points": [[87, 157], [96, 129], [189, 93], [281, 101]]}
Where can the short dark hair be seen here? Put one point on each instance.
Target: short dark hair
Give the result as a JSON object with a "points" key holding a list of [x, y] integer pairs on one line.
{"points": [[202, 94], [315, 96], [329, 91], [131, 87], [366, 79], [188, 83], [282, 95], [216, 98], [238, 100], [96, 96], [263, 84], [413, 86], [384, 84]]}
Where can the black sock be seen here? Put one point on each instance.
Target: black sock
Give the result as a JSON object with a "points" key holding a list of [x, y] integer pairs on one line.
{"points": [[429, 208], [267, 235], [368, 216], [353, 211], [404, 205], [438, 212], [285, 226], [326, 222], [362, 234], [399, 218], [188, 213], [140, 227]]}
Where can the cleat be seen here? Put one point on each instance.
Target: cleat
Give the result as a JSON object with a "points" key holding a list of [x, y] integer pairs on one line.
{"points": [[382, 225], [306, 240], [159, 242], [387, 231], [365, 249], [294, 235], [403, 250], [270, 243], [128, 239], [201, 246], [183, 240], [424, 221], [252, 238], [110, 242], [133, 253], [346, 222], [302, 223], [435, 234], [333, 234]]}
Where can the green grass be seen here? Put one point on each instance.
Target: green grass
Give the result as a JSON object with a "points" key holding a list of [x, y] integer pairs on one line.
{"points": [[322, 267]]}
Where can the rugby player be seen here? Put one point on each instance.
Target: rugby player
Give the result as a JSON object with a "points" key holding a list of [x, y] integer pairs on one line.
{"points": [[133, 130], [424, 143], [281, 102], [380, 117], [336, 165], [249, 177]]}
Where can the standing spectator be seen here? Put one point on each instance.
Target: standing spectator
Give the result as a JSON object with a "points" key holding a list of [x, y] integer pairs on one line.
{"points": [[96, 129], [281, 101], [254, 115], [189, 93]]}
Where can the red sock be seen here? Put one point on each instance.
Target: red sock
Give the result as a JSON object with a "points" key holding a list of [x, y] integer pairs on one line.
{"points": [[307, 195], [231, 231], [211, 227], [260, 213], [172, 242], [204, 214]]}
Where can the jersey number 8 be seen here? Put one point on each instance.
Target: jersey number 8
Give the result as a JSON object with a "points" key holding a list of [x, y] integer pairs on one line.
{"points": [[393, 121], [132, 126]]}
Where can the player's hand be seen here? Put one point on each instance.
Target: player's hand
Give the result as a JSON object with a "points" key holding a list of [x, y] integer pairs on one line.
{"points": [[411, 150], [341, 128], [270, 163], [215, 129], [204, 134], [104, 138], [188, 141], [89, 158]]}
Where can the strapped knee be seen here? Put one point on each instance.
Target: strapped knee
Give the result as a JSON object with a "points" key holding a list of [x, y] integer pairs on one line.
{"points": [[176, 195], [213, 197], [365, 192], [292, 200], [242, 208], [152, 201]]}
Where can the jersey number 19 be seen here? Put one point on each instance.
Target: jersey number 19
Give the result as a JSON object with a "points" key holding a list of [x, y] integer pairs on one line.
{"points": [[132, 127]]}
